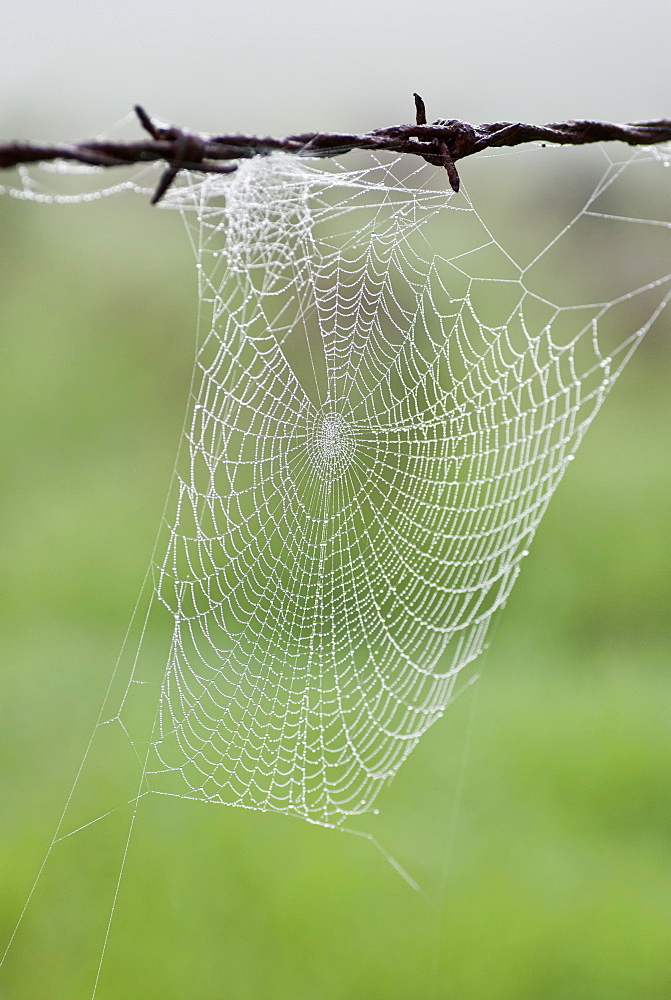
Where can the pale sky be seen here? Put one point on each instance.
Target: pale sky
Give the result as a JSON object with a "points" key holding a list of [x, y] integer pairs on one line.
{"points": [[69, 70]]}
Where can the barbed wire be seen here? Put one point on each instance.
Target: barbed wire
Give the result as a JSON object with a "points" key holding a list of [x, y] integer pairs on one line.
{"points": [[441, 143]]}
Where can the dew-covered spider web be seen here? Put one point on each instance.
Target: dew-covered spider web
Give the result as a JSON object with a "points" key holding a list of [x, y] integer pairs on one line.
{"points": [[372, 444], [386, 396]]}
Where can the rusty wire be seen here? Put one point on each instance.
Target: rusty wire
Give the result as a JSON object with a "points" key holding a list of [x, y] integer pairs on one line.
{"points": [[441, 143]]}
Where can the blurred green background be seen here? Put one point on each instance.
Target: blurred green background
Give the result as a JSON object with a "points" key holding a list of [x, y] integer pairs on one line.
{"points": [[535, 816]]}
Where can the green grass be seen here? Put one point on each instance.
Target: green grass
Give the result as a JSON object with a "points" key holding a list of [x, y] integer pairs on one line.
{"points": [[535, 815]]}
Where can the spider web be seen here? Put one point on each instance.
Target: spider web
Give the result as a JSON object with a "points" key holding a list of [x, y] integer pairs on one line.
{"points": [[386, 404], [384, 401]]}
